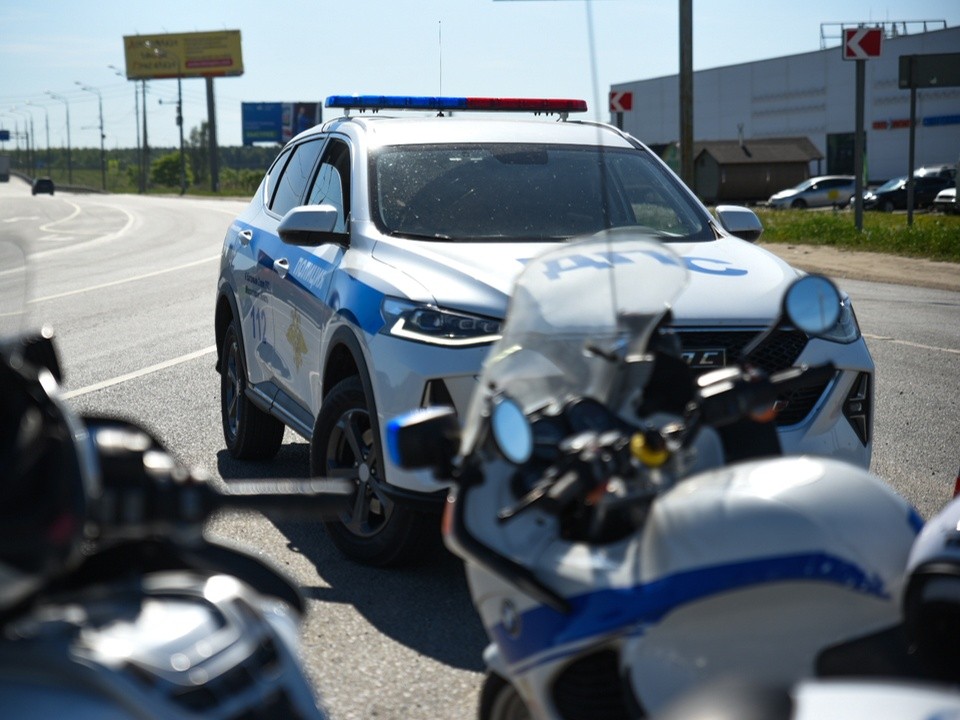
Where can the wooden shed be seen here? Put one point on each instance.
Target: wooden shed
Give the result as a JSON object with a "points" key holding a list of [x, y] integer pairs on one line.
{"points": [[751, 170]]}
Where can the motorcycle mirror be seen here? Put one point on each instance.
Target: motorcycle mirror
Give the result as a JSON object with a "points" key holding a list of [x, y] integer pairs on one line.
{"points": [[511, 431], [812, 304]]}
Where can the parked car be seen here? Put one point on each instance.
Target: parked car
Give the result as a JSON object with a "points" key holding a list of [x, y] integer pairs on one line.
{"points": [[946, 201], [892, 195], [371, 271], [823, 191], [42, 185]]}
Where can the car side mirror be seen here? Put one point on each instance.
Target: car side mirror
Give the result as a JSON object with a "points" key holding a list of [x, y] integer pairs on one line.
{"points": [[312, 225], [740, 222]]}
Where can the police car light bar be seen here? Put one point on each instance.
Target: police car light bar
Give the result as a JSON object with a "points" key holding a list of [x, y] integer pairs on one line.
{"points": [[417, 102]]}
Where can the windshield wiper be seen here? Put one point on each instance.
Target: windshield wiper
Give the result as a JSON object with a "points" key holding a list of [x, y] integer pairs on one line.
{"points": [[420, 236]]}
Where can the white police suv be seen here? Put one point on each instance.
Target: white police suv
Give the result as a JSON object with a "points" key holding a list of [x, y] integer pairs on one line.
{"points": [[371, 271]]}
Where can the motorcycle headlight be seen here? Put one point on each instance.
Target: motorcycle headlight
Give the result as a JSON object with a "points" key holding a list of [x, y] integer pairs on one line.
{"points": [[436, 326], [847, 330]]}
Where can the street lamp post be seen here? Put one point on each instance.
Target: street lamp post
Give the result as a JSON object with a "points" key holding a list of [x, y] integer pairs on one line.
{"points": [[46, 115], [103, 152], [69, 157]]}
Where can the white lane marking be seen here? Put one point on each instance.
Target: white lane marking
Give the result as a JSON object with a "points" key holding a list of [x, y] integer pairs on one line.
{"points": [[138, 373], [133, 278], [93, 237], [48, 227], [911, 344]]}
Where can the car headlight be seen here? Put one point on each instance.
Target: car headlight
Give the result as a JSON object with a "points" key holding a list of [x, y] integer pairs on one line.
{"points": [[847, 330], [430, 324]]}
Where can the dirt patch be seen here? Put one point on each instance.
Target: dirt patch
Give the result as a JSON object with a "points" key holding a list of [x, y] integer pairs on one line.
{"points": [[874, 267]]}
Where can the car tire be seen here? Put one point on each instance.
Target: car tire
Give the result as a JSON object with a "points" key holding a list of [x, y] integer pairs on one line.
{"points": [[250, 433], [499, 700], [887, 206], [379, 530], [799, 205]]}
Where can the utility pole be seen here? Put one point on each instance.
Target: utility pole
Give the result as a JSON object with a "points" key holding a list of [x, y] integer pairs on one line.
{"points": [[145, 167], [46, 115], [183, 160], [686, 93], [103, 152], [136, 124], [69, 158]]}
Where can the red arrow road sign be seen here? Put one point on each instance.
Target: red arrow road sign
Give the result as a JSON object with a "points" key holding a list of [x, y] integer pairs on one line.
{"points": [[621, 101], [862, 43]]}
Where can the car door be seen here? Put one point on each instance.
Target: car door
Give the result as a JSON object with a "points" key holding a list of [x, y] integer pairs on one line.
{"points": [[271, 254], [304, 309], [251, 239]]}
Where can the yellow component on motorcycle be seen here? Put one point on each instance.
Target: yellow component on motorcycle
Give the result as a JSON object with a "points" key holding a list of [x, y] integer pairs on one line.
{"points": [[651, 451]]}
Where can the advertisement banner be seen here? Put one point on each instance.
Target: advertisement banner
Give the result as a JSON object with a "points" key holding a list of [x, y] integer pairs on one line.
{"points": [[196, 54], [277, 122]]}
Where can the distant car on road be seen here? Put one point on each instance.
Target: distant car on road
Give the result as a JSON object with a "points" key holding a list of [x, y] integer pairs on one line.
{"points": [[42, 185], [822, 191], [946, 201], [892, 195]]}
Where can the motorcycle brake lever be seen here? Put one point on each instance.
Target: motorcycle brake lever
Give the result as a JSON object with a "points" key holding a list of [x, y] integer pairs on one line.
{"points": [[536, 494]]}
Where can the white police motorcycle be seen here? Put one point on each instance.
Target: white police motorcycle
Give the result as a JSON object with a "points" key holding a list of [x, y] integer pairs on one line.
{"points": [[113, 604], [617, 557]]}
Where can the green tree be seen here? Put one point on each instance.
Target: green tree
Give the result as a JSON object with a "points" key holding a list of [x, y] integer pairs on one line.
{"points": [[165, 170]]}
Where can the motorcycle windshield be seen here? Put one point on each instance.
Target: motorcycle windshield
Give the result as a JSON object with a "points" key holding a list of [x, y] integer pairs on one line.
{"points": [[575, 315]]}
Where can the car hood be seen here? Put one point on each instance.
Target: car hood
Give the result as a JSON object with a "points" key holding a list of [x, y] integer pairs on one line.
{"points": [[732, 282], [784, 194]]}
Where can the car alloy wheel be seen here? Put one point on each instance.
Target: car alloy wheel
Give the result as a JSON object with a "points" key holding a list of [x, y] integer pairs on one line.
{"points": [[378, 529]]}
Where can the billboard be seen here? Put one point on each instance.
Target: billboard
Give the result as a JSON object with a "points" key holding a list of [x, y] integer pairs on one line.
{"points": [[277, 122], [196, 54]]}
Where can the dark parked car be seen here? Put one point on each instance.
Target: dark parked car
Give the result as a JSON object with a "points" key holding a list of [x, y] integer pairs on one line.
{"points": [[892, 195], [42, 185], [944, 171]]}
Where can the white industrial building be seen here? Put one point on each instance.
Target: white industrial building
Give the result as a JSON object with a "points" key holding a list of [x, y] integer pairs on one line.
{"points": [[811, 95]]}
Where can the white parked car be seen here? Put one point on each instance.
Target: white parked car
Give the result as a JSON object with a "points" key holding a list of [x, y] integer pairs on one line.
{"points": [[823, 191], [371, 270], [946, 200]]}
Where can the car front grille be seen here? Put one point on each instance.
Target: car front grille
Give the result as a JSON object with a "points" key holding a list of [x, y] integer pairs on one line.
{"points": [[777, 352]]}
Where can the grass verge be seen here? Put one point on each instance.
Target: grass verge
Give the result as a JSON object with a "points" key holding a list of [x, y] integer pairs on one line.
{"points": [[934, 236]]}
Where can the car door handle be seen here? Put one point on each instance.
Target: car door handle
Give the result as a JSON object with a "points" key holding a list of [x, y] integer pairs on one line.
{"points": [[245, 236], [281, 267]]}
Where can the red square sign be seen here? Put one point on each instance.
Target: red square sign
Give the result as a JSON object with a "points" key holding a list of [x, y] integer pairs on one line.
{"points": [[862, 43]]}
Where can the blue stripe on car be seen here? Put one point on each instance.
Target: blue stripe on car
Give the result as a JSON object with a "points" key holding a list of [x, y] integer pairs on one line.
{"points": [[356, 301]]}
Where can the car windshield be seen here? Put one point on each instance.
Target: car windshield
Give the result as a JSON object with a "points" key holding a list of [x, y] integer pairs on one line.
{"points": [[526, 192], [891, 184]]}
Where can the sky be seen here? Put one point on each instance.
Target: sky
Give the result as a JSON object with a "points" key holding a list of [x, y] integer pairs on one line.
{"points": [[306, 50]]}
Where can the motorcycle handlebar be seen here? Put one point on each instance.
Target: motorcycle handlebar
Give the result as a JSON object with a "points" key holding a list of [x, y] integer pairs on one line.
{"points": [[735, 397], [144, 490], [318, 499]]}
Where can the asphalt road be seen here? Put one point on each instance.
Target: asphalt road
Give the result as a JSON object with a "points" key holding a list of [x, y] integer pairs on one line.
{"points": [[128, 284]]}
